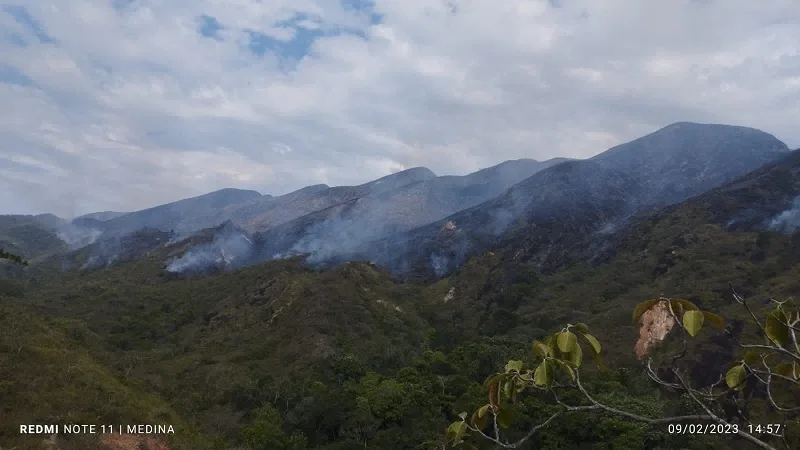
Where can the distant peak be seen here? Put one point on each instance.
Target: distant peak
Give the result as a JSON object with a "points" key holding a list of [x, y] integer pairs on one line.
{"points": [[691, 140], [311, 189], [101, 216], [556, 160], [399, 179], [683, 123], [234, 191], [414, 173], [697, 125], [423, 172], [517, 161], [47, 216]]}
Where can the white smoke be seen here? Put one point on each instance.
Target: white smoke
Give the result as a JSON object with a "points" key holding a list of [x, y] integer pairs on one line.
{"points": [[225, 251], [77, 236], [440, 264], [334, 237], [788, 221]]}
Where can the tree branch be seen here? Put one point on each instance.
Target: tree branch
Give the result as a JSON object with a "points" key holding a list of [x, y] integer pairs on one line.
{"points": [[721, 421]]}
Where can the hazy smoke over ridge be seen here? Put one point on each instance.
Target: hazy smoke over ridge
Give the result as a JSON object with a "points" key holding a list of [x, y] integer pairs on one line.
{"points": [[77, 236], [788, 221], [229, 249]]}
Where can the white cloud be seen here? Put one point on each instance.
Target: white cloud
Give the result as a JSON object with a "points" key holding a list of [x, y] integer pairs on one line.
{"points": [[131, 107]]}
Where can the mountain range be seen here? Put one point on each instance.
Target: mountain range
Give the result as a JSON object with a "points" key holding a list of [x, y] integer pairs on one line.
{"points": [[544, 213], [464, 272], [415, 222]]}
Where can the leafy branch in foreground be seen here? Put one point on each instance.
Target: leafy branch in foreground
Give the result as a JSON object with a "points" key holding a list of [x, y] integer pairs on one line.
{"points": [[559, 364]]}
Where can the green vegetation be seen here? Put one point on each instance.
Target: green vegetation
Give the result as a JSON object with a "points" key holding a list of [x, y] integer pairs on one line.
{"points": [[45, 378], [29, 237], [282, 356], [265, 431], [773, 368], [12, 257]]}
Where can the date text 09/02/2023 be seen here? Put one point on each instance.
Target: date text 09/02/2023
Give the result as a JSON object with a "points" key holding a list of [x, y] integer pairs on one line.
{"points": [[775, 429]]}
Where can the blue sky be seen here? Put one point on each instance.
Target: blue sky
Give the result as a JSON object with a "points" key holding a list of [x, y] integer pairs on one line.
{"points": [[123, 104]]}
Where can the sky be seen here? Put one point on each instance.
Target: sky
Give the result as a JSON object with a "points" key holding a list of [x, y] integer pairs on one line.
{"points": [[125, 104]]}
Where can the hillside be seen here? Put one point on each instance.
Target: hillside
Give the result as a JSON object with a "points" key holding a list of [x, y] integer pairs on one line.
{"points": [[101, 216], [583, 198], [741, 233], [394, 203], [49, 376], [350, 355], [317, 219], [417, 224], [343, 228], [306, 341], [264, 214], [34, 237], [183, 215], [684, 159]]}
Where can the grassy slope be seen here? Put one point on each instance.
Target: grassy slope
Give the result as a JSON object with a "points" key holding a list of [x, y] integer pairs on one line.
{"points": [[47, 377], [220, 334]]}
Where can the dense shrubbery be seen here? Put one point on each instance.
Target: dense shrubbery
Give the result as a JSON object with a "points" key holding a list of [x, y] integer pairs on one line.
{"points": [[343, 405]]}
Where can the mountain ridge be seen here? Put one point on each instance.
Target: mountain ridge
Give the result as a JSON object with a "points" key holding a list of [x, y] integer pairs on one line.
{"points": [[414, 218], [606, 189]]}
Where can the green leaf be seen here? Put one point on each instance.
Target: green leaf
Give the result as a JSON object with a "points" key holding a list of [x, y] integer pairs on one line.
{"points": [[678, 303], [457, 430], [483, 410], [641, 308], [504, 418], [552, 343], [565, 368], [576, 356], [493, 379], [788, 370], [593, 342], [514, 365], [539, 349], [567, 340], [692, 321], [461, 431], [480, 421], [715, 319], [735, 377], [776, 328], [597, 359], [582, 327], [543, 376], [508, 388]]}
